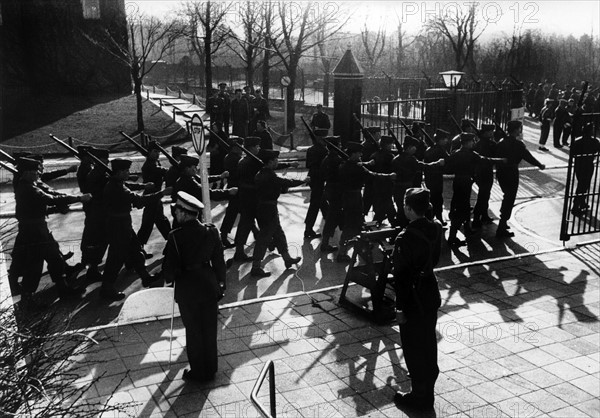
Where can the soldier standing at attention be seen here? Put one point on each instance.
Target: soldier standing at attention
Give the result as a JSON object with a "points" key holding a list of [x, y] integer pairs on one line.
{"points": [[546, 115], [561, 117], [173, 172], [214, 107], [416, 253], [123, 243], [194, 262], [484, 175], [320, 119], [434, 176], [268, 188], [224, 96], [153, 172], [266, 141], [314, 158], [240, 114], [330, 169], [38, 244], [513, 149]]}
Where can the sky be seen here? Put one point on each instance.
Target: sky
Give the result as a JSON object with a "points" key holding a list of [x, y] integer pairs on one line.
{"points": [[561, 17]]}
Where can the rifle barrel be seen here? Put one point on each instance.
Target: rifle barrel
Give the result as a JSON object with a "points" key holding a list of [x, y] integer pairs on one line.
{"points": [[311, 133], [365, 132], [65, 145], [8, 167], [8, 157], [137, 146]]}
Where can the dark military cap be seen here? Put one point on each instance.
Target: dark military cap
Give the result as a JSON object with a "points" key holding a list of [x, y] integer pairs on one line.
{"points": [[21, 154], [410, 141], [417, 125], [83, 148], [353, 147], [177, 151], [440, 134], [99, 152], [188, 160], [188, 203], [487, 128], [235, 141], [27, 164], [321, 132], [335, 139], [120, 164], [466, 137], [374, 129], [467, 123], [267, 155], [152, 145], [237, 90], [386, 139], [222, 84], [251, 141], [418, 199], [513, 125]]}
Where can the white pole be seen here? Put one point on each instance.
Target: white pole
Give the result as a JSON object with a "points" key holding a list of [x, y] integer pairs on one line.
{"points": [[205, 187], [285, 110], [172, 316]]}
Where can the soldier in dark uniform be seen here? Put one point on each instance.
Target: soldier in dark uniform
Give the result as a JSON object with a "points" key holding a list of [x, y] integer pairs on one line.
{"points": [[416, 253], [462, 164], [405, 165], [513, 149], [530, 100], [418, 128], [261, 110], [214, 107], [93, 239], [268, 188], [153, 172], [383, 204], [232, 160], [320, 119], [240, 114], [561, 117], [266, 141], [369, 147], [194, 261], [85, 166], [34, 242], [188, 183], [330, 170], [434, 176], [352, 176], [314, 158], [568, 127], [217, 151], [585, 150], [123, 243], [538, 102], [484, 175], [224, 96], [173, 172], [546, 115], [466, 126]]}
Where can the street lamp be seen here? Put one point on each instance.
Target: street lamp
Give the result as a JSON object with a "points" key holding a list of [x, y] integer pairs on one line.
{"points": [[451, 78]]}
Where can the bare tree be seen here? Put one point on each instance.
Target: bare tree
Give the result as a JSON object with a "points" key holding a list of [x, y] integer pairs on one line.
{"points": [[299, 23], [373, 48], [147, 36], [266, 63], [460, 28], [402, 44], [207, 31], [326, 62]]}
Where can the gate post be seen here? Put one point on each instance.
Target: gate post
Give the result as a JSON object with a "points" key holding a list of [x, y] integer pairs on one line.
{"points": [[348, 82]]}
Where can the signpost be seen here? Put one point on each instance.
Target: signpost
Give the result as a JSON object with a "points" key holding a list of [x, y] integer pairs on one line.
{"points": [[285, 82], [199, 140]]}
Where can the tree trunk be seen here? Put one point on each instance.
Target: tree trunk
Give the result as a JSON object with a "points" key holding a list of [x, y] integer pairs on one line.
{"points": [[208, 66], [291, 107], [137, 90], [265, 75], [326, 87]]}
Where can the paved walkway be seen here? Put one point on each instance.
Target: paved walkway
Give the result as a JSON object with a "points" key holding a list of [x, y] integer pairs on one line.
{"points": [[517, 338]]}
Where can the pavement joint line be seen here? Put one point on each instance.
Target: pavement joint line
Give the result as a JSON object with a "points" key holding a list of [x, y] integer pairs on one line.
{"points": [[327, 289]]}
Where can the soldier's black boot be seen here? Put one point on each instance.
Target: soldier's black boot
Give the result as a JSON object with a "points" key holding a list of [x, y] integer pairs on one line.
{"points": [[93, 274], [152, 280], [15, 287], [290, 261], [502, 231], [452, 240]]}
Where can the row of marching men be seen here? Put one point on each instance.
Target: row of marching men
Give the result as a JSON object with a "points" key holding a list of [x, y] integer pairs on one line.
{"points": [[348, 180]]}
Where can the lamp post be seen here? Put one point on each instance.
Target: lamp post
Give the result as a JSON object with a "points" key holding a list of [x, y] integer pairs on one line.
{"points": [[200, 141], [452, 78]]}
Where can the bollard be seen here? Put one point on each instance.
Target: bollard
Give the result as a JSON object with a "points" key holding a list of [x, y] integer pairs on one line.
{"points": [[154, 89], [180, 93], [194, 98], [292, 141]]}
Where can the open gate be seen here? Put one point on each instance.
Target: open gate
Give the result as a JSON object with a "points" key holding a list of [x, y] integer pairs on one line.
{"points": [[581, 207]]}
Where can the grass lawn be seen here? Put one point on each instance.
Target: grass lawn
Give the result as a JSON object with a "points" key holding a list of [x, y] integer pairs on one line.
{"points": [[98, 125]]}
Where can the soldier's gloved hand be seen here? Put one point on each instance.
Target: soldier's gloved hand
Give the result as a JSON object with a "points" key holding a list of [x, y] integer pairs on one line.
{"points": [[84, 198], [167, 191], [225, 174], [233, 191], [72, 169]]}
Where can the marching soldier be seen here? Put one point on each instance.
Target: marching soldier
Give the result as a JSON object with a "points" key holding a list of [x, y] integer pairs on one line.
{"points": [[417, 130], [217, 150], [484, 175], [123, 243], [466, 126], [174, 171], [85, 166], [232, 160], [434, 176], [383, 204], [369, 147], [330, 169], [268, 188], [462, 164], [37, 243], [194, 262], [226, 100], [153, 172], [314, 158], [513, 149], [584, 149]]}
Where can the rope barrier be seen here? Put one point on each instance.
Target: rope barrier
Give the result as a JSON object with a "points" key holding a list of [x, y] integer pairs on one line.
{"points": [[167, 136], [278, 134], [27, 146]]}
